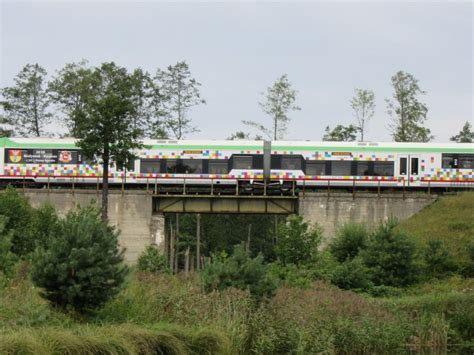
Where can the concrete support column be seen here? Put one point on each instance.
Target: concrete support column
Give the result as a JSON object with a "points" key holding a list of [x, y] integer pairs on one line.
{"points": [[157, 231]]}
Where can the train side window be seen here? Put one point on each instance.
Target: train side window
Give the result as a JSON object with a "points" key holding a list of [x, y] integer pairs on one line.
{"points": [[341, 168], [450, 161], [218, 166], [150, 166], [403, 166], [192, 166], [384, 168], [414, 166], [291, 163], [315, 168], [243, 162], [171, 166], [466, 161], [363, 168]]}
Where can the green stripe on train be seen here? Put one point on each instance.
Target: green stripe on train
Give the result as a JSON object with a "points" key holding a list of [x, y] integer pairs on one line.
{"points": [[8, 143]]}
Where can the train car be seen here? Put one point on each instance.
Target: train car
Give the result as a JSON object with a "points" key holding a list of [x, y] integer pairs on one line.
{"points": [[167, 162]]}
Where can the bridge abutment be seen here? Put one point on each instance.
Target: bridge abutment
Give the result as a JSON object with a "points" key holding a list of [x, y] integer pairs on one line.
{"points": [[334, 209]]}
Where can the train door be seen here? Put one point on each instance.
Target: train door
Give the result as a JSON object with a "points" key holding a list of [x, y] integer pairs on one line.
{"points": [[403, 166], [414, 167]]}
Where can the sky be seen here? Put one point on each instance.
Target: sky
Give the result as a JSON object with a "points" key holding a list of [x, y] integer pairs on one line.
{"points": [[237, 49]]}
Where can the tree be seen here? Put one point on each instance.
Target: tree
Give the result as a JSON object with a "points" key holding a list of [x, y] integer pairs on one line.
{"points": [[241, 135], [297, 242], [465, 135], [363, 106], [152, 260], [407, 112], [390, 256], [340, 133], [239, 271], [350, 239], [176, 92], [437, 260], [7, 257], [82, 267], [26, 104], [103, 116], [19, 214], [279, 101]]}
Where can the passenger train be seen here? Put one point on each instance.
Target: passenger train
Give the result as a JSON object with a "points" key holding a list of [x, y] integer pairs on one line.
{"points": [[306, 163]]}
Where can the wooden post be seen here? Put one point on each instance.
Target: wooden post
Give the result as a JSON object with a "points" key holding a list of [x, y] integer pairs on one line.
{"points": [[123, 184], [24, 177], [147, 183], [329, 187], [378, 189], [198, 242], [186, 261], [97, 190], [171, 259], [73, 184], [353, 189], [48, 183], [404, 188], [176, 247], [429, 187], [248, 238]]}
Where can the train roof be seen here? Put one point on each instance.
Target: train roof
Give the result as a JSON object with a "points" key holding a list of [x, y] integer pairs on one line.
{"points": [[289, 146]]}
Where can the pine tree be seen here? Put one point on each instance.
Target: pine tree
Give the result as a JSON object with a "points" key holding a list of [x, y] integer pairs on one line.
{"points": [[81, 268], [466, 135]]}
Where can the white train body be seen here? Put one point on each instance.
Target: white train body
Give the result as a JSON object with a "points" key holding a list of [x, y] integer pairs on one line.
{"points": [[204, 162]]}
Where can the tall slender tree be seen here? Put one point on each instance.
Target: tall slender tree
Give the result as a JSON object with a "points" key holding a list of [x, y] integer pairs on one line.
{"points": [[102, 117], [465, 135], [26, 104], [279, 100], [407, 112], [363, 107], [176, 92]]}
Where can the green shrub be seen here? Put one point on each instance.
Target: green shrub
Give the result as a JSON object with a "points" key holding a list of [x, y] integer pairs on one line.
{"points": [[297, 242], [7, 258], [390, 256], [292, 275], [81, 268], [437, 260], [152, 260], [350, 239], [467, 269], [352, 274], [384, 291], [17, 209], [44, 224], [239, 271]]}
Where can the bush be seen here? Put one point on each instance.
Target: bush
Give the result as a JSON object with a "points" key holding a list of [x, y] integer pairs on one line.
{"points": [[350, 239], [239, 271], [44, 224], [297, 242], [81, 268], [467, 269], [19, 213], [152, 260], [391, 256], [352, 274], [7, 258], [437, 260]]}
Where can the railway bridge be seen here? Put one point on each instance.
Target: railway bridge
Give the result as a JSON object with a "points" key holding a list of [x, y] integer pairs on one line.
{"points": [[139, 214]]}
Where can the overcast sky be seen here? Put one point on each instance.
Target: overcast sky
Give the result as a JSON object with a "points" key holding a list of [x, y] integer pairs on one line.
{"points": [[237, 49]]}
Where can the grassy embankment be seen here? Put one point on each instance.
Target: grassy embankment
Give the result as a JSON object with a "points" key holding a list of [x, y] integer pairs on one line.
{"points": [[172, 315]]}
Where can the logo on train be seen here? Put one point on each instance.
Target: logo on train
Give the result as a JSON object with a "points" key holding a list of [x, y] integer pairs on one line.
{"points": [[65, 156], [15, 155]]}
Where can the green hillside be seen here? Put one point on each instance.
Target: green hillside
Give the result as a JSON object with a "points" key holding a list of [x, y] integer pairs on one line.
{"points": [[449, 219]]}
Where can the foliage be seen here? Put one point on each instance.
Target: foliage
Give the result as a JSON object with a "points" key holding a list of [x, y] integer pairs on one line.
{"points": [[340, 133], [81, 268], [363, 107], [7, 258], [16, 208], [350, 239], [437, 260], [352, 274], [297, 242], [465, 135], [467, 268], [391, 256], [44, 224], [407, 112], [26, 105], [114, 339], [175, 94], [152, 260], [103, 119], [239, 271], [279, 101], [448, 219]]}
